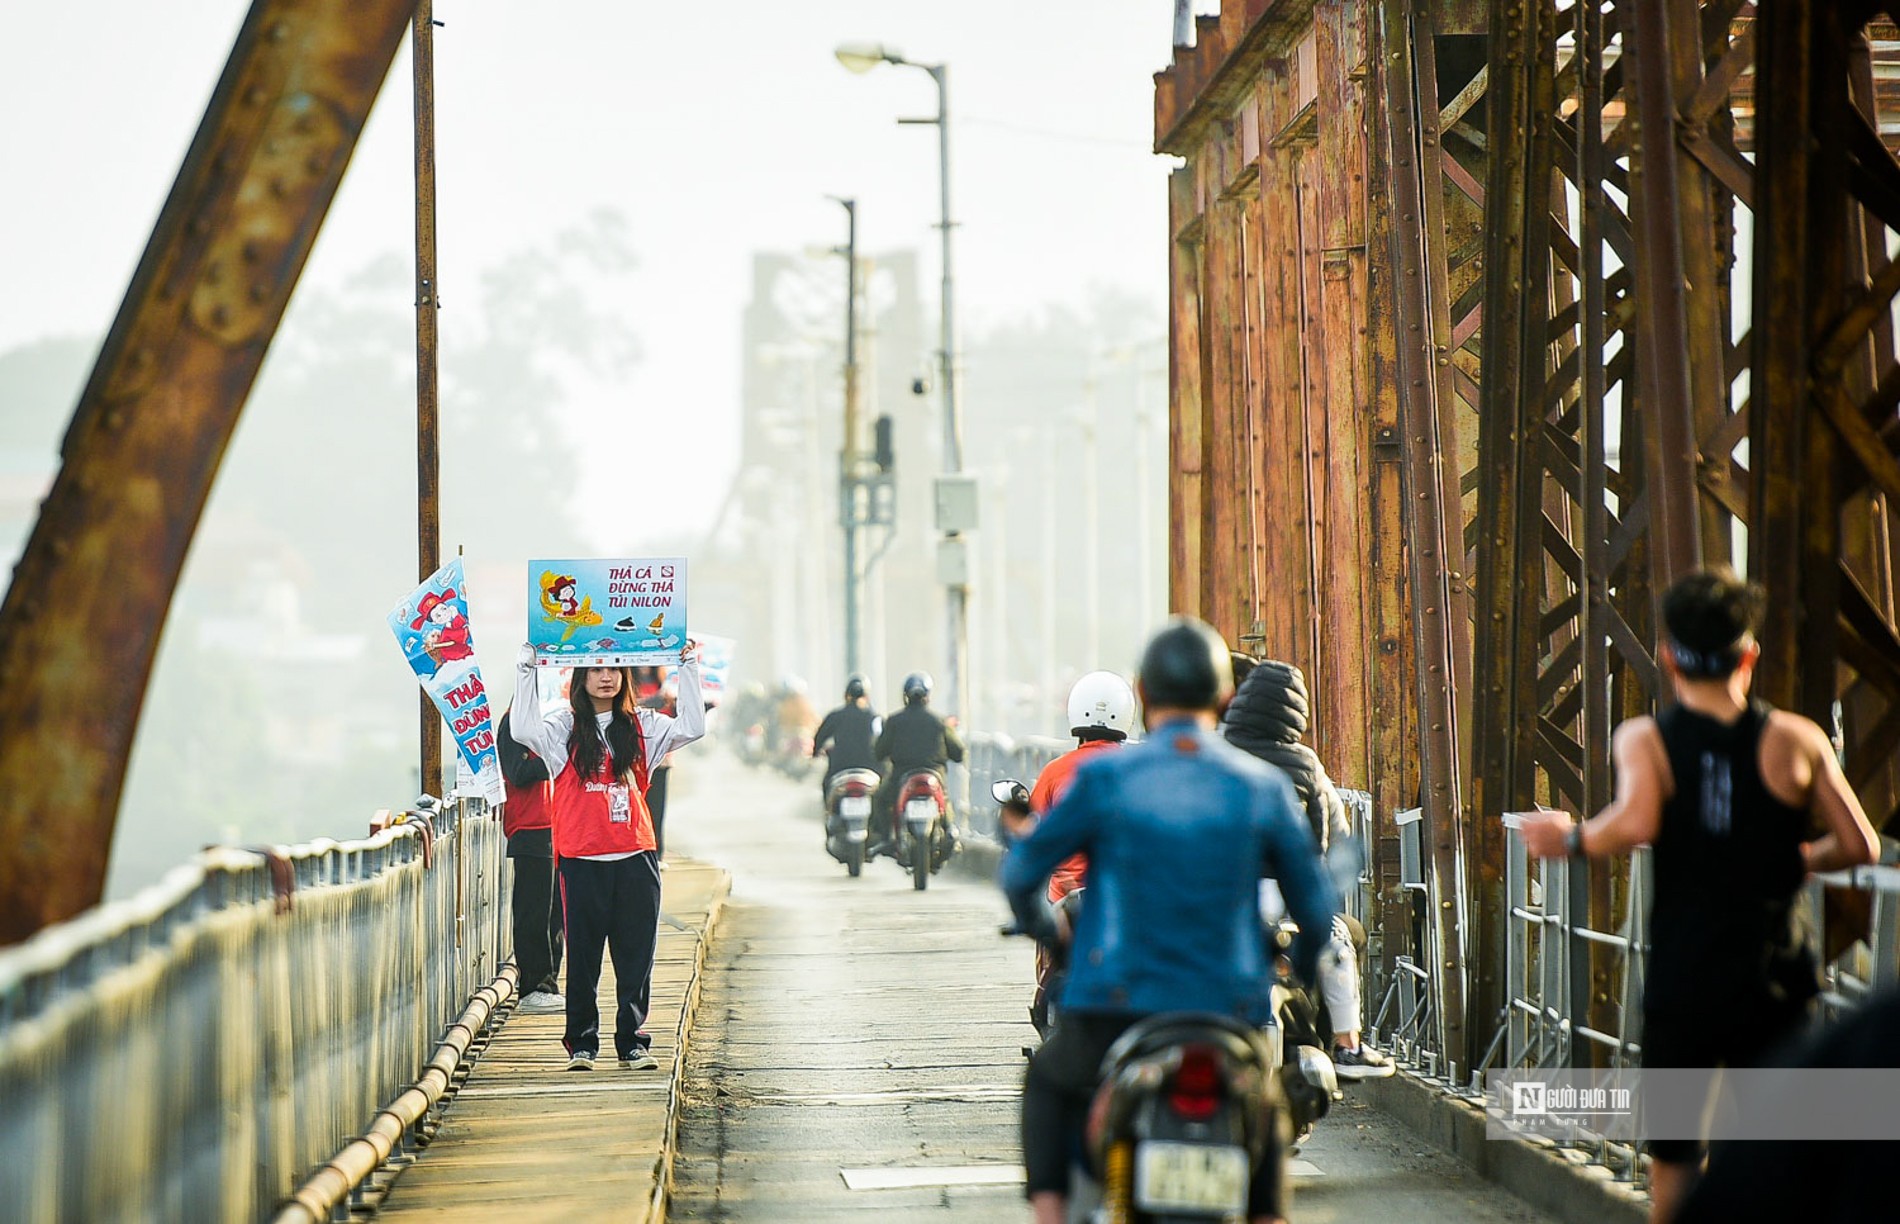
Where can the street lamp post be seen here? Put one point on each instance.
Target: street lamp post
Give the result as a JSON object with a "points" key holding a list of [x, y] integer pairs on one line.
{"points": [[860, 57], [848, 474]]}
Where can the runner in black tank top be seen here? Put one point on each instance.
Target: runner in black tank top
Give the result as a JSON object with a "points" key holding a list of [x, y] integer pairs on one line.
{"points": [[1727, 978], [1729, 975]]}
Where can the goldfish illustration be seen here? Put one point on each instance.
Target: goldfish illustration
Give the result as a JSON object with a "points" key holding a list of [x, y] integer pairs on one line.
{"points": [[560, 605]]}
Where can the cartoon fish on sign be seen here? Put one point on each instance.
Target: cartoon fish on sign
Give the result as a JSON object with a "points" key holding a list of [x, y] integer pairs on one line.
{"points": [[560, 605]]}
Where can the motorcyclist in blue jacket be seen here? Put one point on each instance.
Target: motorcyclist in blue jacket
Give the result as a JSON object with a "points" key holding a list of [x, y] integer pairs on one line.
{"points": [[1179, 831]]}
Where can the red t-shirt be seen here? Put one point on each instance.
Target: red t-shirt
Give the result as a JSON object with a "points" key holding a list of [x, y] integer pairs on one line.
{"points": [[1051, 783]]}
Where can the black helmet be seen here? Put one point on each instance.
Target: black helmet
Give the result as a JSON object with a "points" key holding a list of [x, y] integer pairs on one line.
{"points": [[854, 688], [1186, 667], [917, 687]]}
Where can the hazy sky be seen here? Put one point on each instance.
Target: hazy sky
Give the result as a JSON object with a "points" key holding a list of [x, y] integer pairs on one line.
{"points": [[717, 129]]}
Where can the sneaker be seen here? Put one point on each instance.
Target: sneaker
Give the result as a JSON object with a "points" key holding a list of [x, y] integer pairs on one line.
{"points": [[662, 864], [581, 1062], [1362, 1063], [880, 848], [543, 1000], [642, 1060]]}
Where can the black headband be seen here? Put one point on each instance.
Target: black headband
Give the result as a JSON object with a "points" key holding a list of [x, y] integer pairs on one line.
{"points": [[1708, 664]]}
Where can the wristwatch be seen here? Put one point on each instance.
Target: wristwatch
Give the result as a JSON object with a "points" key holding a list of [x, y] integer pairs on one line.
{"points": [[1573, 841]]}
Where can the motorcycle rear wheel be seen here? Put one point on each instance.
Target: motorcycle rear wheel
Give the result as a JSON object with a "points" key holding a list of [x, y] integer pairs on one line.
{"points": [[919, 864], [854, 862]]}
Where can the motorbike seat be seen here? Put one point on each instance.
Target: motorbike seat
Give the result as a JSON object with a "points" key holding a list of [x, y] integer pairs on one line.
{"points": [[1236, 1038], [866, 778]]}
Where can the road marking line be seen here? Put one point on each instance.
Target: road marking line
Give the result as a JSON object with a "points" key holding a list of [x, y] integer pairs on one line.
{"points": [[944, 1175], [971, 1093]]}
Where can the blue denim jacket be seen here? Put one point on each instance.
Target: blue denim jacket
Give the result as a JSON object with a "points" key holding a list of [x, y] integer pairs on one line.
{"points": [[1179, 831]]}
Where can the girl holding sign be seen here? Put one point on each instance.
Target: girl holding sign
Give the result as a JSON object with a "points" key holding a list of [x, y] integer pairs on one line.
{"points": [[601, 749]]}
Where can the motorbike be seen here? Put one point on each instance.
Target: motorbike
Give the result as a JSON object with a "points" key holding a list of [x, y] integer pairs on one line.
{"points": [[794, 758], [921, 837], [1188, 1111], [1185, 1117], [847, 815], [1296, 1038]]}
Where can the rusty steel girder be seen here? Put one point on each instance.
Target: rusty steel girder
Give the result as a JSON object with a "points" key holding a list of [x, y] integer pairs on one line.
{"points": [[1825, 415], [1555, 420], [81, 622]]}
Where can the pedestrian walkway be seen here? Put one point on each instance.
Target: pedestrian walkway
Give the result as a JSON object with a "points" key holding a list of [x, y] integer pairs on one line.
{"points": [[529, 1140]]}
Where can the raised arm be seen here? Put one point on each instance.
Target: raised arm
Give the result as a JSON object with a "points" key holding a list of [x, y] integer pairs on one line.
{"points": [[1849, 840], [1634, 816], [544, 734], [669, 734]]}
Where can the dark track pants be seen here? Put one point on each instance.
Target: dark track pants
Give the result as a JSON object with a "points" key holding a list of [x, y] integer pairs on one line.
{"points": [[537, 925], [612, 906]]}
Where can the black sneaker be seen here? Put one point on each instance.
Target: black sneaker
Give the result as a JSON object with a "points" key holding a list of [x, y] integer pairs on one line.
{"points": [[583, 1061], [879, 848], [1362, 1063]]}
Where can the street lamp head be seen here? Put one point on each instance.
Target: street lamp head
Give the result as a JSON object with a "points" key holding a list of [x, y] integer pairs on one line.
{"points": [[862, 57]]}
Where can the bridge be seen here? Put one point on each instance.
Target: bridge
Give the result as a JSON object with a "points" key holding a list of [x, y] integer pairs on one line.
{"points": [[1489, 319]]}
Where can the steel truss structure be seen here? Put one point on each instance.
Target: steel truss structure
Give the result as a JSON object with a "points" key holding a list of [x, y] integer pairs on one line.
{"points": [[1489, 319]]}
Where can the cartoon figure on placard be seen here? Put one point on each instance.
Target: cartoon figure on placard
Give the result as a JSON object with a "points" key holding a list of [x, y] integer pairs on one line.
{"points": [[560, 605], [446, 640]]}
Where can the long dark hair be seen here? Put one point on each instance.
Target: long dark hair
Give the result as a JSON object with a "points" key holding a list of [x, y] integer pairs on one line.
{"points": [[624, 739]]}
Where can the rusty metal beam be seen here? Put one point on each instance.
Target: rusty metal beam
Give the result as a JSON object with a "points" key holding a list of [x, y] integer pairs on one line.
{"points": [[1433, 503], [81, 622], [1511, 504]]}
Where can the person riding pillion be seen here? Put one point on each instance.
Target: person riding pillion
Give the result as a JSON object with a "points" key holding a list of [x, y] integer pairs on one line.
{"points": [[1179, 831], [912, 739], [848, 735], [1267, 718]]}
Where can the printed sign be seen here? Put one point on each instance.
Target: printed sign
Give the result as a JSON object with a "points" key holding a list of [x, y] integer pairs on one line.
{"points": [[715, 665], [431, 625], [607, 613]]}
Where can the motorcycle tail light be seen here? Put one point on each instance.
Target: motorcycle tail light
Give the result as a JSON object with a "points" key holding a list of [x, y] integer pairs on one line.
{"points": [[1196, 1091]]}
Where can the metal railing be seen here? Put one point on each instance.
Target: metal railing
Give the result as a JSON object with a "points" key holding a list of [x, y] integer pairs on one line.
{"points": [[1549, 1020], [193, 1052], [994, 757]]}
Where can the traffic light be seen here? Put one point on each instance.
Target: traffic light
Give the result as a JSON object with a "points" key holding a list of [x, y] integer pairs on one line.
{"points": [[884, 452]]}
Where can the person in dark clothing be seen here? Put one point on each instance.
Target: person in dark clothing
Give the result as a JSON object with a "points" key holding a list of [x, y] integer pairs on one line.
{"points": [[1816, 1183], [912, 739], [1725, 790], [527, 820], [848, 735], [1269, 714]]}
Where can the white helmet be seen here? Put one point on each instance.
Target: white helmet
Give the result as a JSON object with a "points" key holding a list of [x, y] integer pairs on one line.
{"points": [[1101, 700]]}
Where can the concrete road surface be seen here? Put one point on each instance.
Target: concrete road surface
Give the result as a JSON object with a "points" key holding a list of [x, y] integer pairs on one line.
{"points": [[857, 1053]]}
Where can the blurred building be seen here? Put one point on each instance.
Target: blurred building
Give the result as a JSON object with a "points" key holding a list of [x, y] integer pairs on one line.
{"points": [[772, 573]]}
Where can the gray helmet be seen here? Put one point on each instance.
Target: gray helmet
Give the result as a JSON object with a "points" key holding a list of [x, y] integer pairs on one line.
{"points": [[917, 687], [1186, 667]]}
